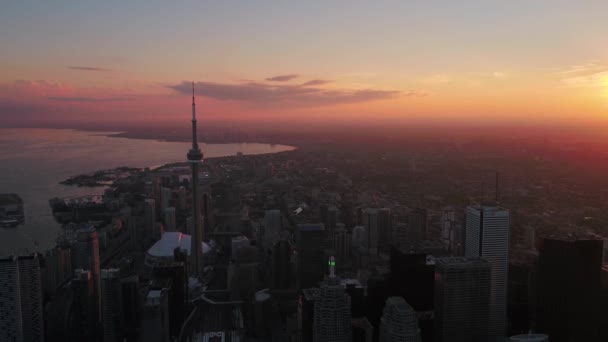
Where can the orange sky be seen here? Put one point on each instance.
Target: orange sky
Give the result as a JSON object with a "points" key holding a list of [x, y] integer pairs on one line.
{"points": [[513, 63]]}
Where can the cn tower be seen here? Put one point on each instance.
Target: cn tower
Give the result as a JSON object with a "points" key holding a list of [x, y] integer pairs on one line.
{"points": [[194, 158]]}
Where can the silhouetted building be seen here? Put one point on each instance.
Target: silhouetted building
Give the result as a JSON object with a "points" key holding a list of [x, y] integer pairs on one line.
{"points": [[173, 274], [169, 219], [56, 269], [310, 243], [568, 278], [132, 307], [399, 322], [84, 318], [487, 235], [385, 227], [370, 222], [412, 277], [85, 255], [342, 242], [272, 228], [378, 291], [417, 224], [331, 220], [363, 331], [281, 265], [155, 318], [111, 298], [151, 227], [462, 299]]}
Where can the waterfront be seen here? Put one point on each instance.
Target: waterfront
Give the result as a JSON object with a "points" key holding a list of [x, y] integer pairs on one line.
{"points": [[34, 161]]}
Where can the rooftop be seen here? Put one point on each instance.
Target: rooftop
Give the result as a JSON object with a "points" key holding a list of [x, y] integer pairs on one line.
{"points": [[169, 241], [461, 261]]}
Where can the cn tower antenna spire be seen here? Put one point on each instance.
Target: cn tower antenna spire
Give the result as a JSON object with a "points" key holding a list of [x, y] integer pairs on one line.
{"points": [[194, 158]]}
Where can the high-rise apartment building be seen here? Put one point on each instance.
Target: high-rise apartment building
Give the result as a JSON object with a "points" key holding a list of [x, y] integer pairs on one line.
{"points": [[487, 235], [462, 299], [399, 322], [11, 326]]}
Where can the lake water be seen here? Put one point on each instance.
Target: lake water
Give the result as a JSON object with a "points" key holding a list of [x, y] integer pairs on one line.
{"points": [[34, 161]]}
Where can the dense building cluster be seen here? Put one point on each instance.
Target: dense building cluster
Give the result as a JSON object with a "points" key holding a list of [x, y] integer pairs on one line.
{"points": [[300, 246]]}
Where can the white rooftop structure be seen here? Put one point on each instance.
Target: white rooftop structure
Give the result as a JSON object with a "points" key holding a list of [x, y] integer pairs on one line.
{"points": [[162, 250]]}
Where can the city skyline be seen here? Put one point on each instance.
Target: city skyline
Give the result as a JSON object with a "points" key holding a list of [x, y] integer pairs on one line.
{"points": [[479, 62]]}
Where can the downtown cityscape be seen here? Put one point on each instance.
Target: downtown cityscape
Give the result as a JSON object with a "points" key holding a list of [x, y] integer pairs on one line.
{"points": [[379, 202]]}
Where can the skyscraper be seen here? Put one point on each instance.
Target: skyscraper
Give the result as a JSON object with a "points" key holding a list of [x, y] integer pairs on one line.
{"points": [[417, 224], [385, 227], [86, 257], [155, 318], [332, 320], [487, 236], [331, 220], [165, 199], [370, 222], [30, 287], [462, 299], [399, 322], [150, 219], [342, 242], [272, 228], [281, 265], [194, 157], [173, 274], [310, 242], [169, 219], [10, 301], [111, 296], [84, 320], [569, 283]]}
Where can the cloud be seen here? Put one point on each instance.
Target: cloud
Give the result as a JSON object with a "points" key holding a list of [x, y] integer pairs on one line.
{"points": [[498, 74], [587, 75], [578, 69], [305, 94], [437, 79], [87, 99], [85, 68], [314, 83], [282, 78], [597, 79]]}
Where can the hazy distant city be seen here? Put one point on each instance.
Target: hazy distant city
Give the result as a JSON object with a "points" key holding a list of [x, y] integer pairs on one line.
{"points": [[335, 172]]}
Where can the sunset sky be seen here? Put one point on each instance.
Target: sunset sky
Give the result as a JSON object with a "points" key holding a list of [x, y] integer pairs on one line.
{"points": [[522, 62]]}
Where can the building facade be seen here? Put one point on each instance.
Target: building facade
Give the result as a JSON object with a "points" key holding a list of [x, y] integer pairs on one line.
{"points": [[487, 235], [462, 299]]}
